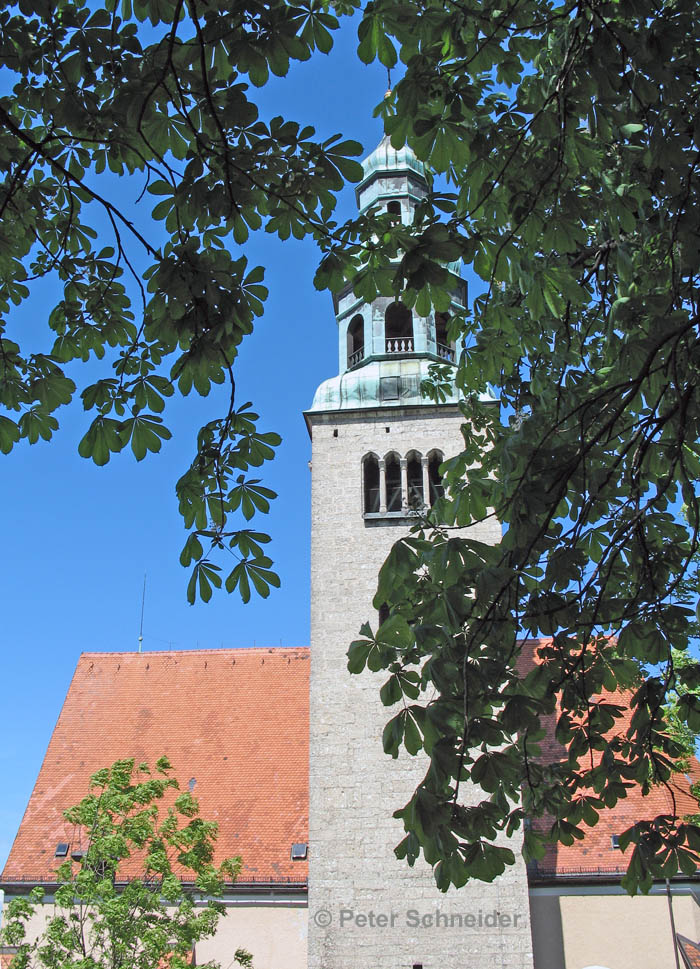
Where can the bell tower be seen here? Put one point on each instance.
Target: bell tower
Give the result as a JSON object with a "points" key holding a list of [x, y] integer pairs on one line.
{"points": [[377, 446]]}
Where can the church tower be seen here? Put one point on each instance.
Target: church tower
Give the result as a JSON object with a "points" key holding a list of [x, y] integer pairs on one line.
{"points": [[377, 446]]}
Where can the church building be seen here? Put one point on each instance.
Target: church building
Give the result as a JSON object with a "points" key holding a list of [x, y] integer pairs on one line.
{"points": [[282, 747]]}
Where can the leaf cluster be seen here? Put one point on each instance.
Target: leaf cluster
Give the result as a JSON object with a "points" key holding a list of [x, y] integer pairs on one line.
{"points": [[106, 919], [159, 94]]}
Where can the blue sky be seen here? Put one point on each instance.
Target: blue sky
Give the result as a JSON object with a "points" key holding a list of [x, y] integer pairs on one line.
{"points": [[78, 539]]}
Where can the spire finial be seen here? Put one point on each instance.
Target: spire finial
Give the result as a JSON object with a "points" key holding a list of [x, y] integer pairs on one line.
{"points": [[143, 605]]}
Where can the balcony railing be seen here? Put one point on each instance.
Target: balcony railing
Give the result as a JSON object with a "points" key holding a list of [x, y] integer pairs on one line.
{"points": [[447, 353], [403, 344], [355, 357]]}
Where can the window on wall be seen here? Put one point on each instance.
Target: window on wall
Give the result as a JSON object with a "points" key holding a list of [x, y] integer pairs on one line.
{"points": [[370, 469], [356, 340], [389, 388], [434, 477], [414, 474], [398, 329], [394, 208], [392, 471], [445, 349]]}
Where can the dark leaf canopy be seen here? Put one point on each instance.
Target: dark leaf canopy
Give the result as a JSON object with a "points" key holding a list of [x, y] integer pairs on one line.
{"points": [[567, 141]]}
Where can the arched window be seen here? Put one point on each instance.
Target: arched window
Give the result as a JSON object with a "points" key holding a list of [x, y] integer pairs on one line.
{"points": [[434, 477], [394, 208], [398, 329], [445, 349], [356, 340], [392, 471], [370, 482], [414, 473]]}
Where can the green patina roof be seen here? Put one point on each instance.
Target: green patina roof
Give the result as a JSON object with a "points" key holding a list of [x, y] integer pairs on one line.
{"points": [[361, 387], [365, 387], [384, 158]]}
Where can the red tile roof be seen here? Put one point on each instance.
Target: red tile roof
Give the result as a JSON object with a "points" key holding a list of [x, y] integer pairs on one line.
{"points": [[234, 722], [237, 722], [690, 952], [594, 854], [167, 960]]}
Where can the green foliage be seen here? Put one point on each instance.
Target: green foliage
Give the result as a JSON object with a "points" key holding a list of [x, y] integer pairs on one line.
{"points": [[156, 92], [567, 139], [102, 920]]}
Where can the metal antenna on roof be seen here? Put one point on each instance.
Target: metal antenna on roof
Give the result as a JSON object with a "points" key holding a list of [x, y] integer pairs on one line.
{"points": [[143, 603]]}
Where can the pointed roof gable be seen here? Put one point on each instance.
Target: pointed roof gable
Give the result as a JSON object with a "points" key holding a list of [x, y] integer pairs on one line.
{"points": [[233, 722]]}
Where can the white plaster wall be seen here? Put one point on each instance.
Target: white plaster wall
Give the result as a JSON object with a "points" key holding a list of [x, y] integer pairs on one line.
{"points": [[275, 934], [612, 930], [273, 931]]}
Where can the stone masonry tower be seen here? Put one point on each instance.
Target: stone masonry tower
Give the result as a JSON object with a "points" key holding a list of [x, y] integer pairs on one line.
{"points": [[377, 448]]}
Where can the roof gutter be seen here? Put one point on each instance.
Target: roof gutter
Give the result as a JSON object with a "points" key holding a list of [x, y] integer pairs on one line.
{"points": [[25, 885]]}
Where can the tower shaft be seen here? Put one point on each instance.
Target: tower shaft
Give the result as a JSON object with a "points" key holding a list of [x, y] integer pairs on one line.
{"points": [[377, 446]]}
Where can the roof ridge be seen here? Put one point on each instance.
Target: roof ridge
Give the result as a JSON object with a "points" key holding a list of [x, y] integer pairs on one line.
{"points": [[213, 649]]}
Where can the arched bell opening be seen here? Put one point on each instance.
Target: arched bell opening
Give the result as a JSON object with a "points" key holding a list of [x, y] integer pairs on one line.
{"points": [[392, 472], [445, 348], [414, 479], [356, 340], [398, 329], [394, 209], [435, 484], [370, 484]]}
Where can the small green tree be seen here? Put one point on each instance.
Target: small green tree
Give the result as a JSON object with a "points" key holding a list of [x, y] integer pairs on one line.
{"points": [[104, 921]]}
